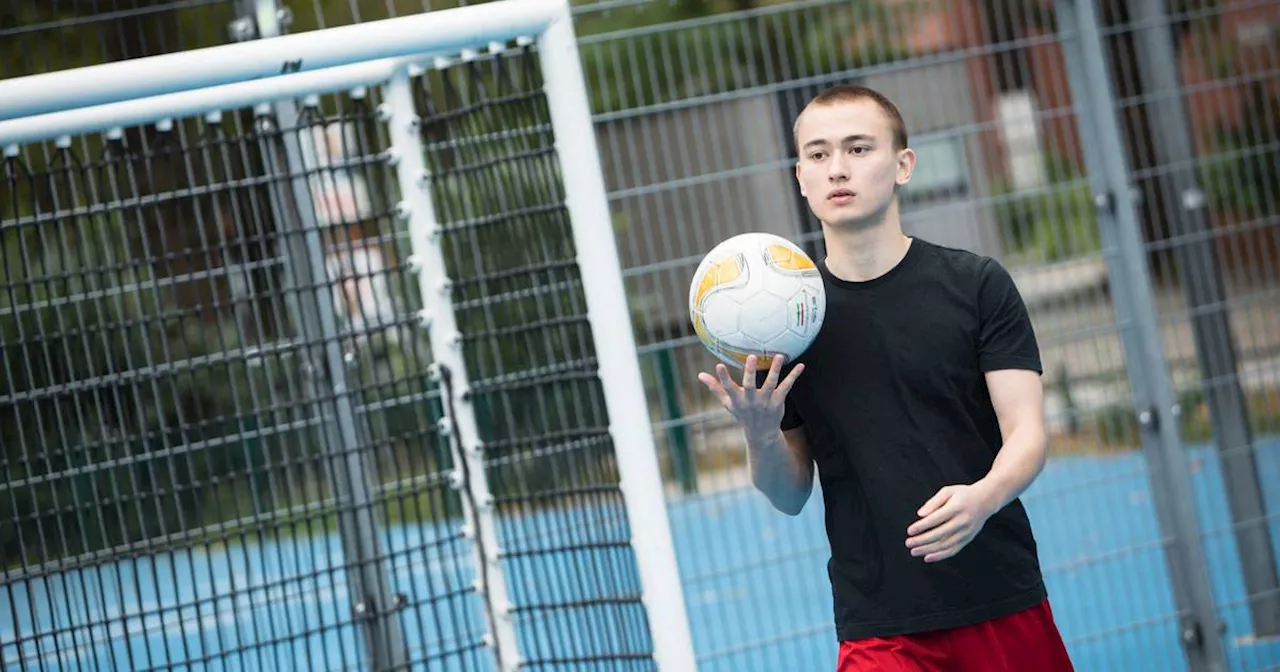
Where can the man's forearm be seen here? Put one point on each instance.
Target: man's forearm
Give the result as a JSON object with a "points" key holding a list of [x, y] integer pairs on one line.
{"points": [[777, 471], [1019, 461]]}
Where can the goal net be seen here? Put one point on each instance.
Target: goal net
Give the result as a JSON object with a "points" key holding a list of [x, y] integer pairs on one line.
{"points": [[310, 369]]}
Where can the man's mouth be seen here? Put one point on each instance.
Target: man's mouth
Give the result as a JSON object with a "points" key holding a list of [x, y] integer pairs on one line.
{"points": [[840, 195]]}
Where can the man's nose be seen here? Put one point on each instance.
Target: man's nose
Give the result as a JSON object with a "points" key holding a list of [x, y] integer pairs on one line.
{"points": [[837, 170]]}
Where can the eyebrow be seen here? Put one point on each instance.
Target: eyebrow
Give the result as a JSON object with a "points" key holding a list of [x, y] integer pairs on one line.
{"points": [[847, 138]]}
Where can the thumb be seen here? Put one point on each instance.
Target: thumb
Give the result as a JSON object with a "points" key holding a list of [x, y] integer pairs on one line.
{"points": [[935, 502]]}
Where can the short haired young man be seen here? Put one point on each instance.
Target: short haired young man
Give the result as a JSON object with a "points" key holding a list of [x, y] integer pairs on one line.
{"points": [[920, 402]]}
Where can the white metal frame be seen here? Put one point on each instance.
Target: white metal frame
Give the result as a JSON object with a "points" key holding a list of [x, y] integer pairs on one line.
{"points": [[428, 261], [586, 198], [106, 98], [190, 103], [445, 31]]}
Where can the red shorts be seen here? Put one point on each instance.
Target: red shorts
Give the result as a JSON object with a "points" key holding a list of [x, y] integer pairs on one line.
{"points": [[1026, 640]]}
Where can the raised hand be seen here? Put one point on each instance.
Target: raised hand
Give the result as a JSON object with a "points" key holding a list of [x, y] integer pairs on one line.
{"points": [[757, 407]]}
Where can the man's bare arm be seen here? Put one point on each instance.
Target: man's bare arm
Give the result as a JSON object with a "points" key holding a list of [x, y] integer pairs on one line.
{"points": [[1018, 399], [779, 462], [781, 467]]}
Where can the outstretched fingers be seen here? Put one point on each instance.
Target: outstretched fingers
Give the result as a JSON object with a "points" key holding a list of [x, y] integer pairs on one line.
{"points": [[730, 387], [787, 383], [749, 394], [717, 389], [775, 370], [749, 373]]}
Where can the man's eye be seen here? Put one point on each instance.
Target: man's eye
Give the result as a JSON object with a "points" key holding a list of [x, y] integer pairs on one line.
{"points": [[817, 156], [859, 149]]}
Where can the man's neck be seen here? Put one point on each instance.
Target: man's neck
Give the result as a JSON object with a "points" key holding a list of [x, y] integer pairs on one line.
{"points": [[866, 252]]}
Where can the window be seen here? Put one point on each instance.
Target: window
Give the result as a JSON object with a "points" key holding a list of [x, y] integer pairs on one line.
{"points": [[941, 171]]}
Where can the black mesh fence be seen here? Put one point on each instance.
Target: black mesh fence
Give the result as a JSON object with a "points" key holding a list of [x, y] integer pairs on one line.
{"points": [[1198, 88], [218, 437], [526, 336]]}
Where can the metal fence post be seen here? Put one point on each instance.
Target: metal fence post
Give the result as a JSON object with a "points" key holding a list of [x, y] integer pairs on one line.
{"points": [[1201, 282], [1151, 388], [308, 291], [682, 462]]}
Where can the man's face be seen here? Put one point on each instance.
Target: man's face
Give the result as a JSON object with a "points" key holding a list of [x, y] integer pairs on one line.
{"points": [[848, 167]]}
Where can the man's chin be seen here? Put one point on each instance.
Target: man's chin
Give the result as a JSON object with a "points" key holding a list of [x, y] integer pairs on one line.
{"points": [[853, 221], [854, 217]]}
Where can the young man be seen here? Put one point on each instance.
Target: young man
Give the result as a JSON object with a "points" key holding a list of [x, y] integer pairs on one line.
{"points": [[921, 404]]}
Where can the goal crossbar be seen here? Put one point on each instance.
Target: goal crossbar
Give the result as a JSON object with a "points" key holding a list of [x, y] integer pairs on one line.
{"points": [[453, 30], [196, 102]]}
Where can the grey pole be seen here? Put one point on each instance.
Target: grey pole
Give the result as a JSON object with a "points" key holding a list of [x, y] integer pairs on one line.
{"points": [[308, 290], [1202, 286], [1152, 391]]}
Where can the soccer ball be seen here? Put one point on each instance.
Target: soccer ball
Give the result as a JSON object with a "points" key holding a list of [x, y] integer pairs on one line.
{"points": [[756, 294]]}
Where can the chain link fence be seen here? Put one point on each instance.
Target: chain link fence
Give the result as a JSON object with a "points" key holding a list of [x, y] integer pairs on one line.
{"points": [[1121, 158]]}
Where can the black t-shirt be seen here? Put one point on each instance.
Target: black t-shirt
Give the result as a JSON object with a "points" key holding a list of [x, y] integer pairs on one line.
{"points": [[894, 404]]}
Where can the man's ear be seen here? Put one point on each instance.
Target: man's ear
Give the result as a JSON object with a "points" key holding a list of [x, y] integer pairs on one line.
{"points": [[799, 181], [906, 166]]}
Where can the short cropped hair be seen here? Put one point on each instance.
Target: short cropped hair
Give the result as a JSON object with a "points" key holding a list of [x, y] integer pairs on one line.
{"points": [[848, 93]]}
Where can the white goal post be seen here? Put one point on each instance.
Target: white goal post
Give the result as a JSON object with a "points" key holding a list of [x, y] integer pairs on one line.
{"points": [[388, 53]]}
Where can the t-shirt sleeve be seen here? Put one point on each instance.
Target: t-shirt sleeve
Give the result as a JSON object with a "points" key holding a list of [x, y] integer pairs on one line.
{"points": [[1006, 338]]}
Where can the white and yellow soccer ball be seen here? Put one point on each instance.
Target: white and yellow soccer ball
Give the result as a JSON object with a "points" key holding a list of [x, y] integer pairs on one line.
{"points": [[756, 294]]}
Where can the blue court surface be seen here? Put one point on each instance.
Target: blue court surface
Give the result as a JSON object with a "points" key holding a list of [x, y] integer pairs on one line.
{"points": [[756, 587]]}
